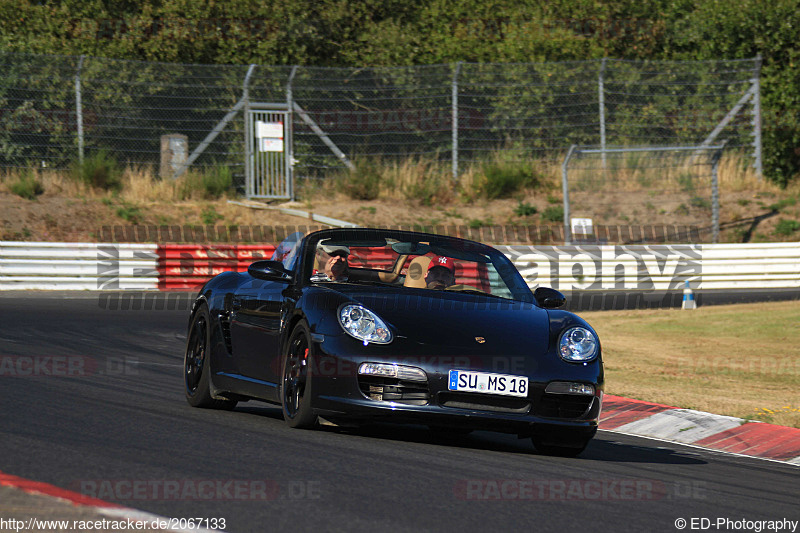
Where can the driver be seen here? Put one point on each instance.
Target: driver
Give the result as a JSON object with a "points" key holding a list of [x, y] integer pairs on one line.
{"points": [[441, 273], [333, 258]]}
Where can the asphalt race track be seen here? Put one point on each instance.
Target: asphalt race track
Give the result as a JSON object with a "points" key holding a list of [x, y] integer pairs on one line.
{"points": [[92, 401]]}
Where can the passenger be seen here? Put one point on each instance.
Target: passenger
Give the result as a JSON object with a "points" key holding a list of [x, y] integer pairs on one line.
{"points": [[333, 258], [441, 273]]}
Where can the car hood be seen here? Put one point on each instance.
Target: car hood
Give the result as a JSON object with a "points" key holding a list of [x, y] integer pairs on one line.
{"points": [[451, 318]]}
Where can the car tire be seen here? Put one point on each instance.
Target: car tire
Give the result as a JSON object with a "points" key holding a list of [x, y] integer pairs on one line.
{"points": [[296, 380], [197, 364], [558, 451]]}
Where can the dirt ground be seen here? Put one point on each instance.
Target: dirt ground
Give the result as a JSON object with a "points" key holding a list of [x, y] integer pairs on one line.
{"points": [[59, 214]]}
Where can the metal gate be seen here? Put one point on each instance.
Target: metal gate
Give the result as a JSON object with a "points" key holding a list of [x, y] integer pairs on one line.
{"points": [[268, 151]]}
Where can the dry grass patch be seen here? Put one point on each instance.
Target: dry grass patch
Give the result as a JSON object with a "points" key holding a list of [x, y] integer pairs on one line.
{"points": [[739, 360]]}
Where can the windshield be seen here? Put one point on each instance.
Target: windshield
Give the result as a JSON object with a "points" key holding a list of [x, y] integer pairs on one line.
{"points": [[423, 263], [286, 252]]}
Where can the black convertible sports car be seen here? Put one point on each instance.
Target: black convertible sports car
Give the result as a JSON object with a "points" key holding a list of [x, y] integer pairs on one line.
{"points": [[361, 325]]}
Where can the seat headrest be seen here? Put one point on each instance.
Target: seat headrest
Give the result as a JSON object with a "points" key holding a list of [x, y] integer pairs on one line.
{"points": [[417, 270]]}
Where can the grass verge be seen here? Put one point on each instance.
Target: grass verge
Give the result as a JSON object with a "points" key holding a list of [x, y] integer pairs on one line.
{"points": [[738, 360]]}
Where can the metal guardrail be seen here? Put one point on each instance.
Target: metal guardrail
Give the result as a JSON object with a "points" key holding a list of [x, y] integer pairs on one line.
{"points": [[590, 268], [655, 268], [77, 266]]}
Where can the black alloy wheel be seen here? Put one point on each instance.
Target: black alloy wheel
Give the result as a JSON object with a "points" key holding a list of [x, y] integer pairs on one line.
{"points": [[297, 378]]}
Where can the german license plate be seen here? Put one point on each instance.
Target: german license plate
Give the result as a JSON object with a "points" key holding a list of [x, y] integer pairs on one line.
{"points": [[465, 381]]}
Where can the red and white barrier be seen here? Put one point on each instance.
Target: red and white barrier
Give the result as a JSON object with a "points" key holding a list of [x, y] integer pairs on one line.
{"points": [[188, 266]]}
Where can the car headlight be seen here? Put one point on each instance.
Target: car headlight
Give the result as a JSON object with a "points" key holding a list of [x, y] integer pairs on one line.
{"points": [[364, 325], [578, 345]]}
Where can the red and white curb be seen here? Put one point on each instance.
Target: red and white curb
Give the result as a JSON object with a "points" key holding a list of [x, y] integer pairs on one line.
{"points": [[108, 510], [706, 430]]}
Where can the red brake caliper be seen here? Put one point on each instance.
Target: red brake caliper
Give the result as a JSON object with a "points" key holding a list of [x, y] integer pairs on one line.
{"points": [[305, 357]]}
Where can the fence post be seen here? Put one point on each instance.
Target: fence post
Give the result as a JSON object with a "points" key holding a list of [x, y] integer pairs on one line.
{"points": [[601, 98], [565, 189], [289, 155], [714, 198], [249, 183], [757, 117], [79, 109], [455, 121]]}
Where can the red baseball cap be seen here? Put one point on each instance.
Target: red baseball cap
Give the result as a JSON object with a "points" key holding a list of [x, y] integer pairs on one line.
{"points": [[442, 261]]}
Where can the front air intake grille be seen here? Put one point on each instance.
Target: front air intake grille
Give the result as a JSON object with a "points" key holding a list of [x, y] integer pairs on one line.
{"points": [[481, 402], [563, 405], [384, 389]]}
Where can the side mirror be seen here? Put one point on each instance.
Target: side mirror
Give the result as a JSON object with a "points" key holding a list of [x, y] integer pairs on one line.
{"points": [[269, 271], [549, 298]]}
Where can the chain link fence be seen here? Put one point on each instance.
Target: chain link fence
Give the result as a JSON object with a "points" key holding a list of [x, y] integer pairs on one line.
{"points": [[56, 109], [628, 185]]}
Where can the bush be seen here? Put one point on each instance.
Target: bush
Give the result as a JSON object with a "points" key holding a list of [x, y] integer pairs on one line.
{"points": [[27, 186], [553, 213], [363, 182], [216, 181], [211, 183], [100, 170], [501, 179], [429, 189], [525, 209]]}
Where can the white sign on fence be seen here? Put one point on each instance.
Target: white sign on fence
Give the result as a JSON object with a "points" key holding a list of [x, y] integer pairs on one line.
{"points": [[269, 144], [269, 129], [582, 226], [270, 136]]}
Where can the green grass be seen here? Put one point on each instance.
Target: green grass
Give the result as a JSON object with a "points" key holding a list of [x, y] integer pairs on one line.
{"points": [[739, 360], [130, 213], [700, 203], [209, 216], [786, 227], [477, 223], [786, 202]]}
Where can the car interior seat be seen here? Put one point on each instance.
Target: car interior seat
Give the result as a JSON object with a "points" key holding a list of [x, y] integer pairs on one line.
{"points": [[417, 269]]}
